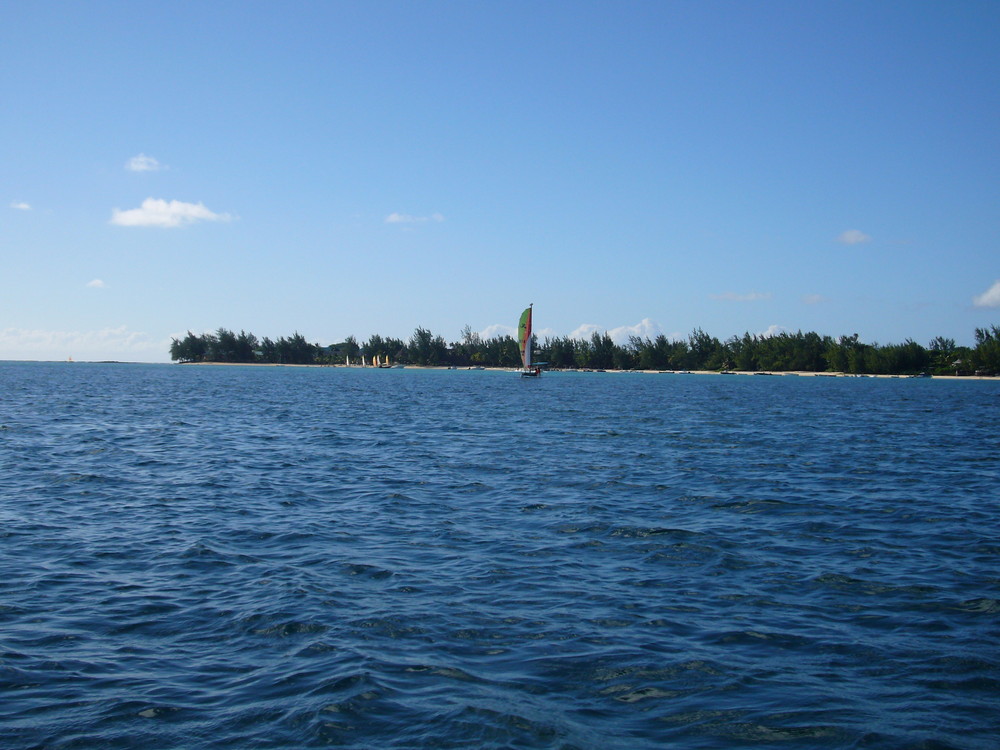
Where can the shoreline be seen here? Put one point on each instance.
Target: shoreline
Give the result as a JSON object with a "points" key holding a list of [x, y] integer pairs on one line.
{"points": [[770, 373]]}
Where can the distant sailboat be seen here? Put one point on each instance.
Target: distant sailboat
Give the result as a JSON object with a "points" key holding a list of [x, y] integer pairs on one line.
{"points": [[524, 344]]}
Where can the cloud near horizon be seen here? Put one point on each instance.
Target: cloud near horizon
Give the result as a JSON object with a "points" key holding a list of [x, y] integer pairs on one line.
{"points": [[155, 212], [497, 329], [396, 218], [645, 328], [96, 284], [989, 298], [853, 237], [773, 330], [106, 343], [21, 206], [143, 163], [734, 297]]}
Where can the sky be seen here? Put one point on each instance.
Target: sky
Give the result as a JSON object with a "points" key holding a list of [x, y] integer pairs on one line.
{"points": [[357, 168]]}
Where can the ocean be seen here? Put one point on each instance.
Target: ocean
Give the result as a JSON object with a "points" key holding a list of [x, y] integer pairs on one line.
{"points": [[279, 557]]}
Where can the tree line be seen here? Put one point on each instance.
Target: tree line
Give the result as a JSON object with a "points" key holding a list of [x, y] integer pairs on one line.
{"points": [[784, 352]]}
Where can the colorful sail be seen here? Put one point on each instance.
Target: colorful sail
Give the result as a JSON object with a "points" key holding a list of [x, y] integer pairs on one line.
{"points": [[524, 337]]}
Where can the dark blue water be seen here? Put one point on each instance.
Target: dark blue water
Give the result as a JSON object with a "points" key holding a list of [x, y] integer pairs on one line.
{"points": [[281, 557]]}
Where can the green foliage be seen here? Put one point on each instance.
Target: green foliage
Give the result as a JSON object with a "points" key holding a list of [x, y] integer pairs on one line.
{"points": [[297, 351], [942, 353], [190, 349], [986, 356], [705, 352], [468, 351], [350, 347], [243, 348], [559, 353], [426, 348], [501, 351]]}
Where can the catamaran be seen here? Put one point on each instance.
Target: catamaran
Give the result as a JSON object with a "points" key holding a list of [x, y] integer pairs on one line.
{"points": [[524, 344]]}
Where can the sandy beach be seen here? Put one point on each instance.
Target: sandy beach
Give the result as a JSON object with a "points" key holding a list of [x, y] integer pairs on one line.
{"points": [[744, 373]]}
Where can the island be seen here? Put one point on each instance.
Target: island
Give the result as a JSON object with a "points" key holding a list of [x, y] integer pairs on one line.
{"points": [[784, 352]]}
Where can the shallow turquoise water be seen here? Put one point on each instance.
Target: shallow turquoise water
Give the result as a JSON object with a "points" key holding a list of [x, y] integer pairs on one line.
{"points": [[285, 557]]}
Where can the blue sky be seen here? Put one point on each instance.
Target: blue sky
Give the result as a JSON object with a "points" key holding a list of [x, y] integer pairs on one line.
{"points": [[350, 168]]}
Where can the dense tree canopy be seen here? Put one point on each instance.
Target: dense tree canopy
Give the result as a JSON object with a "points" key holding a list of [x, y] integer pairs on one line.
{"points": [[806, 352], [226, 346]]}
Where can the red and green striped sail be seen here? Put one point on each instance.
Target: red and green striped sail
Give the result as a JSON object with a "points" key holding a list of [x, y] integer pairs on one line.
{"points": [[524, 337]]}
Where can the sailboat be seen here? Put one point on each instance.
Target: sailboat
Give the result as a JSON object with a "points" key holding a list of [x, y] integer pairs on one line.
{"points": [[524, 344]]}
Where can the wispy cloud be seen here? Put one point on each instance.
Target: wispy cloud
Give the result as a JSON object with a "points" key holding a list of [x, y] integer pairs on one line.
{"points": [[853, 237], [96, 284], [989, 298], [395, 218], [735, 297], [106, 343], [21, 206], [143, 163], [814, 299], [160, 213]]}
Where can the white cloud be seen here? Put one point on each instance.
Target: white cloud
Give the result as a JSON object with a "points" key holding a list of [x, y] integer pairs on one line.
{"points": [[107, 343], [853, 237], [584, 331], [989, 298], [773, 331], [96, 284], [734, 297], [813, 299], [143, 163], [644, 329], [395, 218], [160, 213], [21, 206], [495, 330]]}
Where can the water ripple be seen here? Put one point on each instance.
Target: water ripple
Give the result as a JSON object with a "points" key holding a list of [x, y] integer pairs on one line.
{"points": [[279, 557]]}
